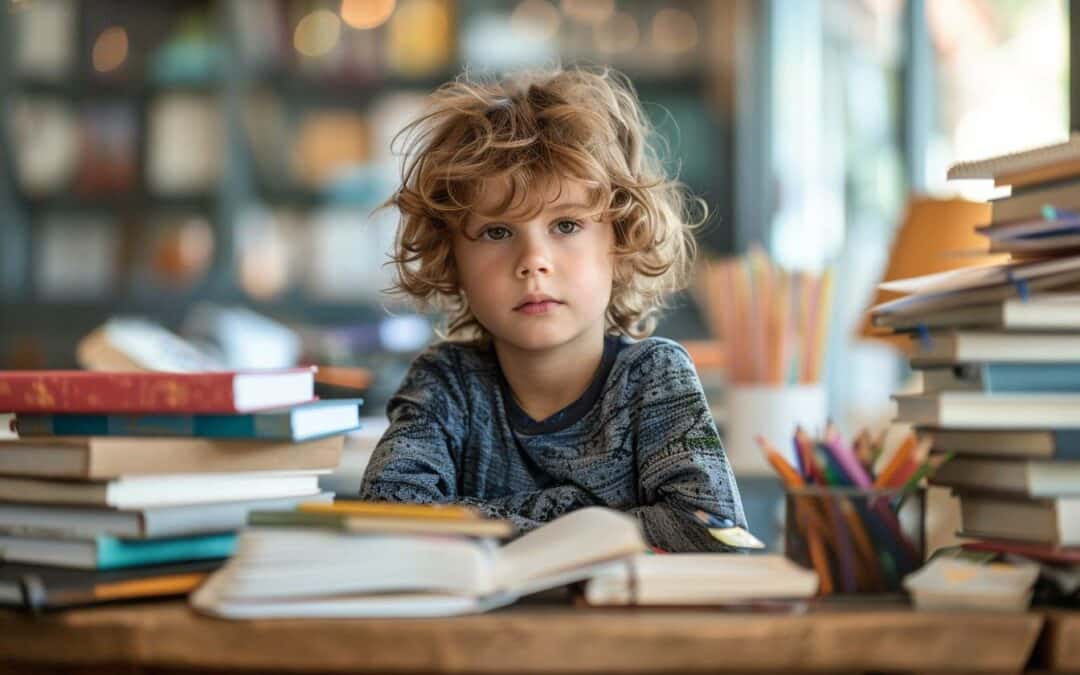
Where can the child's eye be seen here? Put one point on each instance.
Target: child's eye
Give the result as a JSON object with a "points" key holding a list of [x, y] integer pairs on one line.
{"points": [[567, 226], [495, 233]]}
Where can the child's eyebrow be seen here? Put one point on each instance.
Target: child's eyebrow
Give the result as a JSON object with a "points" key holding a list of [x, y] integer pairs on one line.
{"points": [[569, 207], [486, 219]]}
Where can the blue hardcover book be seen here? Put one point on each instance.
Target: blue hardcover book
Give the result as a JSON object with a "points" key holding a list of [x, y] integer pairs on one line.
{"points": [[1005, 378], [303, 422], [108, 553]]}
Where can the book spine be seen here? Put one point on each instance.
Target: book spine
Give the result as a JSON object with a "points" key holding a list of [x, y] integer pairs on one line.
{"points": [[118, 553], [238, 426], [1067, 444], [105, 425], [1049, 378], [118, 393], [200, 426]]}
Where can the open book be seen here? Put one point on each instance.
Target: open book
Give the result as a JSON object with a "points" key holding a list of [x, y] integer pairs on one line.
{"points": [[296, 572]]}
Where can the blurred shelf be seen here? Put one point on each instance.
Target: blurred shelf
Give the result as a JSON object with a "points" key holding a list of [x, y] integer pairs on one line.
{"points": [[132, 201], [233, 86], [65, 315], [86, 88]]}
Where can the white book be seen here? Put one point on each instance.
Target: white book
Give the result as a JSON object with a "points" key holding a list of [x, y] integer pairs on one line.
{"points": [[148, 523], [980, 275], [976, 410], [1015, 162], [700, 579], [937, 301], [950, 347], [294, 572], [955, 584], [136, 492], [1025, 477]]}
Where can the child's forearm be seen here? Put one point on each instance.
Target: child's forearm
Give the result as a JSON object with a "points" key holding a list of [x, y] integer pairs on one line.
{"points": [[419, 472], [529, 510], [673, 529]]}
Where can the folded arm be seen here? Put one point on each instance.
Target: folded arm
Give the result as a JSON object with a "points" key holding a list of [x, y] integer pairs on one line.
{"points": [[682, 466]]}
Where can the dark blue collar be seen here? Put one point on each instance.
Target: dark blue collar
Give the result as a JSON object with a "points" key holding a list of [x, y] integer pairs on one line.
{"points": [[522, 423]]}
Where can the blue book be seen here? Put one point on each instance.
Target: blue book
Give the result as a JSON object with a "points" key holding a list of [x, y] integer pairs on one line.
{"points": [[303, 422], [1004, 378], [108, 553]]}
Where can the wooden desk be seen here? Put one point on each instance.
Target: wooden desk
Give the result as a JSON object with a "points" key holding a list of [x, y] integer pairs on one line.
{"points": [[526, 638], [1060, 646]]}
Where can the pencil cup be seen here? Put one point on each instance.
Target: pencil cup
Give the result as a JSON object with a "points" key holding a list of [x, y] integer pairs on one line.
{"points": [[772, 412], [858, 541]]}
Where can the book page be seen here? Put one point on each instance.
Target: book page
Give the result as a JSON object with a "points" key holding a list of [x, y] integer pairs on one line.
{"points": [[574, 541]]}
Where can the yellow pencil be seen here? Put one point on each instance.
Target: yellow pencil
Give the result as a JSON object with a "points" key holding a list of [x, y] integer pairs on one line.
{"points": [[393, 510]]}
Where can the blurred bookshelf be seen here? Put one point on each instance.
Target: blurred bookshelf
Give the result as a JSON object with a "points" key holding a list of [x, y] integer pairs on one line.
{"points": [[158, 155]]}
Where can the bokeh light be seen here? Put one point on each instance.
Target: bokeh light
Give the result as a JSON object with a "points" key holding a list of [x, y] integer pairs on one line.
{"points": [[317, 33], [674, 31], [589, 11], [420, 37], [366, 14], [536, 18], [617, 35], [110, 49]]}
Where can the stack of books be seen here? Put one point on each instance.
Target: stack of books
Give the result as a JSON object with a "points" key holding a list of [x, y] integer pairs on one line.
{"points": [[998, 348], [135, 483]]}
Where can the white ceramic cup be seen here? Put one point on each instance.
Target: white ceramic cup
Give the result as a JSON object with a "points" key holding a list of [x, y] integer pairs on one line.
{"points": [[772, 412]]}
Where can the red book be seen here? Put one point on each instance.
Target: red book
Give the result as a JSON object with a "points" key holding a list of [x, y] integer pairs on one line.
{"points": [[82, 391], [1042, 552]]}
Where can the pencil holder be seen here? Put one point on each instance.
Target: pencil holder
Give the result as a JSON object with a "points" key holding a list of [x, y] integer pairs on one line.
{"points": [[773, 413], [858, 541]]}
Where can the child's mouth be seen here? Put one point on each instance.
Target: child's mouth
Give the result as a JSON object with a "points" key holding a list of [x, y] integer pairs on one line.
{"points": [[541, 307]]}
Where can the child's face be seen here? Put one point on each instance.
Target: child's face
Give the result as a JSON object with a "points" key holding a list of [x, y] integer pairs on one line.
{"points": [[537, 282]]}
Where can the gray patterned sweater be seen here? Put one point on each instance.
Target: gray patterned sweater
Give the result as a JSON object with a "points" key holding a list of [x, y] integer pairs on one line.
{"points": [[640, 439]]}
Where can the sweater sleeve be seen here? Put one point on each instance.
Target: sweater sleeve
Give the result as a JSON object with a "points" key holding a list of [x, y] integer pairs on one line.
{"points": [[681, 462], [529, 510], [414, 460]]}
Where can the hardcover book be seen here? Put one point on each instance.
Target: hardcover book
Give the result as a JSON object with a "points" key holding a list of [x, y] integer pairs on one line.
{"points": [[106, 457], [297, 423], [78, 391]]}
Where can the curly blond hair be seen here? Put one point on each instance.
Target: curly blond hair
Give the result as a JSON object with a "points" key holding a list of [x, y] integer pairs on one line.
{"points": [[579, 124]]}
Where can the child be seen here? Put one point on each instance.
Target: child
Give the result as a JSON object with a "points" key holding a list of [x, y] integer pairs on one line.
{"points": [[536, 215]]}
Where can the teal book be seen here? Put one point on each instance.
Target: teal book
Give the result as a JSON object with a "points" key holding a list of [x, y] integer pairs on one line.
{"points": [[110, 553], [1004, 378], [308, 421]]}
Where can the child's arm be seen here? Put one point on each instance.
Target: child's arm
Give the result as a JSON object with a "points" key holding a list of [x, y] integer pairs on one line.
{"points": [[681, 462], [529, 510], [414, 460]]}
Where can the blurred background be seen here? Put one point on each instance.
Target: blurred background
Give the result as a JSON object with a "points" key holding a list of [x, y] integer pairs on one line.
{"points": [[212, 168]]}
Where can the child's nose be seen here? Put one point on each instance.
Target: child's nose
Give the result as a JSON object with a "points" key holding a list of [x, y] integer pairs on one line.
{"points": [[534, 260], [532, 265]]}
